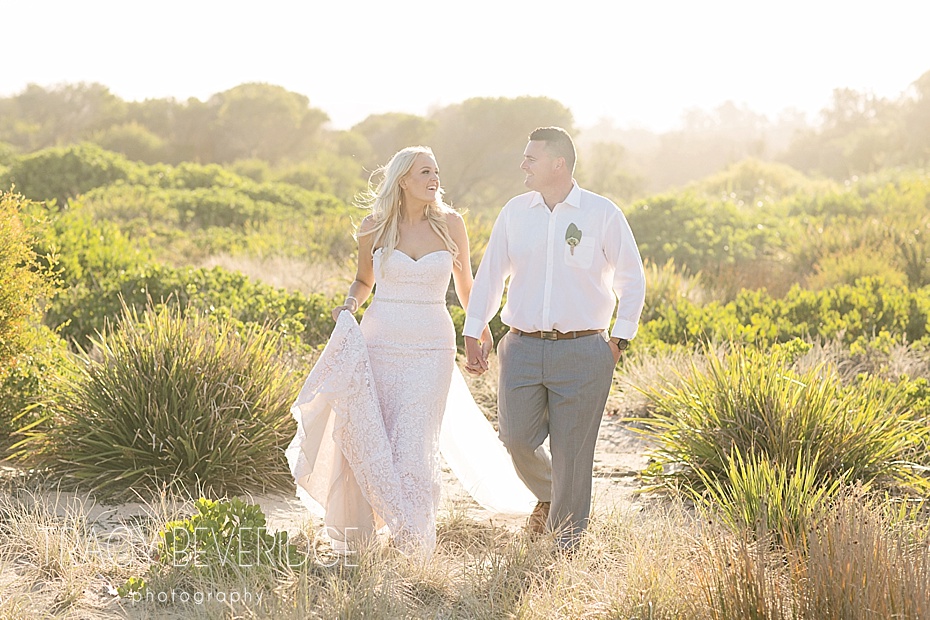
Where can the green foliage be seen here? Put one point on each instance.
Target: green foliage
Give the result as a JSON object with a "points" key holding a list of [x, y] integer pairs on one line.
{"points": [[100, 269], [856, 312], [754, 183], [256, 169], [327, 173], [66, 172], [132, 140], [701, 235], [7, 154], [41, 117], [28, 385], [714, 429], [178, 400], [189, 212], [389, 133], [604, 168], [22, 283], [86, 308], [486, 136], [223, 536], [223, 539], [263, 121], [839, 269], [758, 494], [666, 285]]}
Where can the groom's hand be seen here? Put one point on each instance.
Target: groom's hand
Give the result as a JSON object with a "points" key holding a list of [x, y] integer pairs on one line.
{"points": [[475, 361]]}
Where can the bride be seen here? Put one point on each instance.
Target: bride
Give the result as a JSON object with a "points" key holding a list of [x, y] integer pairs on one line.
{"points": [[377, 406]]}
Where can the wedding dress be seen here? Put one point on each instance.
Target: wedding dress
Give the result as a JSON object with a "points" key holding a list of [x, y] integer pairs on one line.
{"points": [[381, 402]]}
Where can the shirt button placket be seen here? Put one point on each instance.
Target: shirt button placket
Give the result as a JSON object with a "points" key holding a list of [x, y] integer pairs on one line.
{"points": [[550, 259]]}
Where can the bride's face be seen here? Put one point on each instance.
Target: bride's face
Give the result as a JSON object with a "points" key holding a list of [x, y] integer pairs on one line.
{"points": [[421, 184]]}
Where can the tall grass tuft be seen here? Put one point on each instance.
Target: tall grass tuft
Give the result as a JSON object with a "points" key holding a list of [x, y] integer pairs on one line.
{"points": [[176, 399], [716, 427], [759, 495], [859, 562]]}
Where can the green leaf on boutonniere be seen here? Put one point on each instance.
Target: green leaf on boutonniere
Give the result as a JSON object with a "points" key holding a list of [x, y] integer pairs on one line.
{"points": [[572, 237]]}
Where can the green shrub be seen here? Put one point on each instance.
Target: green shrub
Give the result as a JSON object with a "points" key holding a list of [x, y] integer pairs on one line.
{"points": [[857, 312], [702, 235], [838, 269], [133, 140], [87, 307], [186, 219], [666, 284], [7, 154], [27, 386], [256, 169], [756, 494], [223, 535], [100, 269], [29, 353], [176, 400], [712, 428], [224, 539], [66, 172], [22, 283], [751, 182]]}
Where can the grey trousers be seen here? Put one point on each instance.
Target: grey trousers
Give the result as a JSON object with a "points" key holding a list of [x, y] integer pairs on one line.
{"points": [[556, 389]]}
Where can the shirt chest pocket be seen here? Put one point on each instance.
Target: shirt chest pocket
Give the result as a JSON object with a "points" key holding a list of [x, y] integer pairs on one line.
{"points": [[582, 256]]}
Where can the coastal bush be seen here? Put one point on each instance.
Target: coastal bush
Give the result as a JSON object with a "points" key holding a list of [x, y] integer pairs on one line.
{"points": [[61, 173], [178, 400], [765, 442], [27, 350]]}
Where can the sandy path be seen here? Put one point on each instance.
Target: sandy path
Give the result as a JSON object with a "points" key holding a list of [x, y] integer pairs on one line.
{"points": [[618, 459]]}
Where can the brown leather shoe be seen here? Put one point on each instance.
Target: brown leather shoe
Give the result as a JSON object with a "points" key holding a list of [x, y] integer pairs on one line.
{"points": [[536, 524]]}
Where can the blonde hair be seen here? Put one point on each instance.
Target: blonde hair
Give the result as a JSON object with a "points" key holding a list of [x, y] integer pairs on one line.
{"points": [[386, 198]]}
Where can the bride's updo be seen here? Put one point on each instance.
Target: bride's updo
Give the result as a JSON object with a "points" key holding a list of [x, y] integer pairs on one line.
{"points": [[385, 200]]}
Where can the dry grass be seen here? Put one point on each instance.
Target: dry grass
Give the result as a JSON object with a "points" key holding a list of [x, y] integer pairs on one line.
{"points": [[669, 368], [889, 362], [660, 563], [328, 278]]}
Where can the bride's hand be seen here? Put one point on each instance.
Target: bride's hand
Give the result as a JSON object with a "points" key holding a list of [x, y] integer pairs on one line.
{"points": [[487, 343], [475, 363], [351, 305], [339, 309]]}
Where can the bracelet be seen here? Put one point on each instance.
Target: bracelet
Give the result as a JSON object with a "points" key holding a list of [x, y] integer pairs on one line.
{"points": [[353, 299]]}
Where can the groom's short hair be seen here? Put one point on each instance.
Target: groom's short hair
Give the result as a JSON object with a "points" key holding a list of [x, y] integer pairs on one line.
{"points": [[558, 141]]}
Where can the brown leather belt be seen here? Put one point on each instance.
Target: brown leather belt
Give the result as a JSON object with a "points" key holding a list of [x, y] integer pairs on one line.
{"points": [[554, 335]]}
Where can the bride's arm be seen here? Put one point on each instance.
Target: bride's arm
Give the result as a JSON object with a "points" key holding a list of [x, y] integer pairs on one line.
{"points": [[364, 281], [462, 277]]}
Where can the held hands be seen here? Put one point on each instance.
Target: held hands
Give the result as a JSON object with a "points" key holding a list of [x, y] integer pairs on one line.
{"points": [[476, 353]]}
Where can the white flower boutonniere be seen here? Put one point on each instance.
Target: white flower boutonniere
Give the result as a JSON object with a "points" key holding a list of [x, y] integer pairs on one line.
{"points": [[572, 237]]}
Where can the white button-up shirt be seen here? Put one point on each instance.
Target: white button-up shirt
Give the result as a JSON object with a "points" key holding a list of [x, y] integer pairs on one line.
{"points": [[552, 286]]}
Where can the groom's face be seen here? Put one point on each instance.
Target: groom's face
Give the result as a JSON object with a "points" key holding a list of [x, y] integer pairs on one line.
{"points": [[539, 165]]}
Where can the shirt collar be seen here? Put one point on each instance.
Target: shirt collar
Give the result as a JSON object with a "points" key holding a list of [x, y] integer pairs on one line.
{"points": [[572, 200]]}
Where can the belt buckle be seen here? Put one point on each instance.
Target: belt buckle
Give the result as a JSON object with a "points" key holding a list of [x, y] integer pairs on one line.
{"points": [[553, 335]]}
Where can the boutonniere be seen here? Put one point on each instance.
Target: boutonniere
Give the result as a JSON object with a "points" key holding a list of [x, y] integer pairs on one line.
{"points": [[572, 237]]}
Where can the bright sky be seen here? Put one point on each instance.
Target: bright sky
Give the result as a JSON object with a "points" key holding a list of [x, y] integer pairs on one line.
{"points": [[638, 63]]}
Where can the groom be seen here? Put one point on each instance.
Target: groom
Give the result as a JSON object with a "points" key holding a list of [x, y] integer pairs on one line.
{"points": [[571, 258]]}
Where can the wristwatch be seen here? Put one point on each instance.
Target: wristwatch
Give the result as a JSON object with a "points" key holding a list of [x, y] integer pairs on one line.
{"points": [[622, 343]]}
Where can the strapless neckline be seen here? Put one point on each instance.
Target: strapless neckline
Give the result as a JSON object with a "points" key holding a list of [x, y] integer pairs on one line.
{"points": [[416, 260]]}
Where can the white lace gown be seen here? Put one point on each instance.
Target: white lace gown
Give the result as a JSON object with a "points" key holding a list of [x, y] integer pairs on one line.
{"points": [[371, 416]]}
